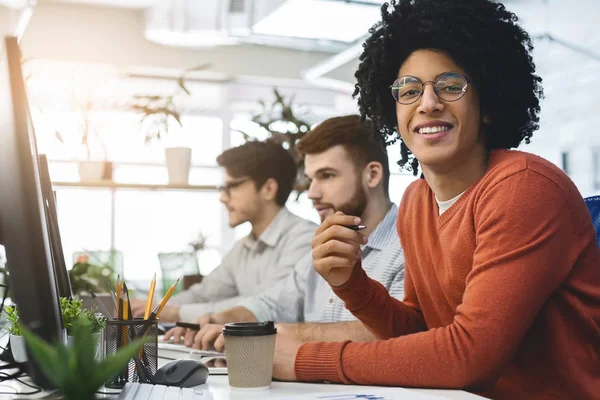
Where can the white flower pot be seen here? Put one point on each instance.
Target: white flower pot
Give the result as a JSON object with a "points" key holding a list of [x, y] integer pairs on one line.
{"points": [[17, 346], [178, 164], [91, 171], [97, 338]]}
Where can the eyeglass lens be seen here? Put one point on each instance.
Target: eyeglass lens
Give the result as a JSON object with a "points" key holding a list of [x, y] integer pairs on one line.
{"points": [[449, 86]]}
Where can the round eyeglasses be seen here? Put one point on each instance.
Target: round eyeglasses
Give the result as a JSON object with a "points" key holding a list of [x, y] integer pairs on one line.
{"points": [[449, 86]]}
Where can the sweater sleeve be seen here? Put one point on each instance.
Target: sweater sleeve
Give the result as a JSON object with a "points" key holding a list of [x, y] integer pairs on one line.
{"points": [[525, 248], [370, 302]]}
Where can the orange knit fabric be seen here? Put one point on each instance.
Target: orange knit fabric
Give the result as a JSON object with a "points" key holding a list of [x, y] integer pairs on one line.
{"points": [[502, 293]]}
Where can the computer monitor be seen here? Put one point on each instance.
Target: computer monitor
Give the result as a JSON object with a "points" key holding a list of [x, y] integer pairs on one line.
{"points": [[23, 228], [61, 274]]}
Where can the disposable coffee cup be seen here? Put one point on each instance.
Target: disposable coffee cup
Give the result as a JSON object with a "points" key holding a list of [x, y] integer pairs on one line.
{"points": [[249, 349]]}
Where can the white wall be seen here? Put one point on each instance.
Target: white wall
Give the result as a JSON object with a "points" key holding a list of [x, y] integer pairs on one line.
{"points": [[93, 34]]}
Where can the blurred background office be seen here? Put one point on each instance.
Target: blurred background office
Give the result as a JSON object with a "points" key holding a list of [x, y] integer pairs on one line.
{"points": [[118, 86]]}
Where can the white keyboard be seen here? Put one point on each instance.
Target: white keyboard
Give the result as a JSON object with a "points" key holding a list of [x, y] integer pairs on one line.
{"points": [[170, 348], [146, 391]]}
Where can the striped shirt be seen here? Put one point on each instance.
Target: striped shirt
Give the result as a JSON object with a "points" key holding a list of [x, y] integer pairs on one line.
{"points": [[306, 297]]}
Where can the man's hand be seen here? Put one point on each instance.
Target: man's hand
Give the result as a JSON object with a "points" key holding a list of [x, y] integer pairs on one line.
{"points": [[188, 334], [170, 314], [206, 338], [287, 344], [175, 333], [336, 248], [138, 307]]}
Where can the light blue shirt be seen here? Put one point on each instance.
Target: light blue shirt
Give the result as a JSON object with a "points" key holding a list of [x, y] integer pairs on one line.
{"points": [[306, 297], [251, 267]]}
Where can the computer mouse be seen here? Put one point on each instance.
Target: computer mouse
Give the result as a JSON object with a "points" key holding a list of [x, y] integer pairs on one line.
{"points": [[181, 373]]}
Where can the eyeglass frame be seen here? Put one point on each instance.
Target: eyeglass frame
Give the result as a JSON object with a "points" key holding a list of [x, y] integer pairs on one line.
{"points": [[226, 188], [464, 90]]}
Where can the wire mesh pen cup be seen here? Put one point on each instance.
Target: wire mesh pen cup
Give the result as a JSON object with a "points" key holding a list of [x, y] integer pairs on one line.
{"points": [[142, 367]]}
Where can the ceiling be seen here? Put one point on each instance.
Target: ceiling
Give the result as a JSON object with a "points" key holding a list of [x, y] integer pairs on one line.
{"points": [[284, 26]]}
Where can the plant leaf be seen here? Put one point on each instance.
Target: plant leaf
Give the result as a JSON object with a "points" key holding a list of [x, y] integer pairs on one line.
{"points": [[175, 115], [199, 67], [84, 347], [181, 84], [111, 366], [61, 372], [44, 354]]}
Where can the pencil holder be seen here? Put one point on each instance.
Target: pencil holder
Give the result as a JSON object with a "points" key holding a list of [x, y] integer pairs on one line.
{"points": [[142, 367]]}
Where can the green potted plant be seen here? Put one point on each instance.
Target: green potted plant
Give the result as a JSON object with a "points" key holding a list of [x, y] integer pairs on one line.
{"points": [[73, 312], [91, 169], [74, 370], [158, 114], [90, 274], [184, 264], [95, 166], [279, 119], [17, 343]]}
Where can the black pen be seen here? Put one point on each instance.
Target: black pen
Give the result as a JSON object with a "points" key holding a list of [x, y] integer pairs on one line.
{"points": [[187, 325], [357, 227]]}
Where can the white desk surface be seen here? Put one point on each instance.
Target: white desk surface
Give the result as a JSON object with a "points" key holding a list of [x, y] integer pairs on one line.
{"points": [[218, 387]]}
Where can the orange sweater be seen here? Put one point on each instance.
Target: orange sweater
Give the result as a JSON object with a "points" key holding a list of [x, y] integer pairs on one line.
{"points": [[502, 293]]}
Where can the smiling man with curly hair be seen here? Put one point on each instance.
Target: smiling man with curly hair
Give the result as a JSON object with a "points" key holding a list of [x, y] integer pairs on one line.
{"points": [[502, 278]]}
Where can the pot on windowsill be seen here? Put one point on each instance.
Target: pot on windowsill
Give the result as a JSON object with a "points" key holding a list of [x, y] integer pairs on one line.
{"points": [[92, 171], [178, 160]]}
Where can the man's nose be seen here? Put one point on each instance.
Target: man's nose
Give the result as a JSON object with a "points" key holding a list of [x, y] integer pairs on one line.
{"points": [[430, 101]]}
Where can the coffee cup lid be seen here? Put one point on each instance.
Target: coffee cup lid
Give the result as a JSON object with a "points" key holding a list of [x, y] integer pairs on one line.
{"points": [[249, 328]]}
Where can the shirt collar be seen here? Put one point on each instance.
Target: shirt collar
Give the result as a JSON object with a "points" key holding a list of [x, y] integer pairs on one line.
{"points": [[271, 235], [379, 238]]}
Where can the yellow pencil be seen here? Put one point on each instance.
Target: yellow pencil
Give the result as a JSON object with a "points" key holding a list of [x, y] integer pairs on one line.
{"points": [[150, 297], [119, 287], [125, 309], [164, 300]]}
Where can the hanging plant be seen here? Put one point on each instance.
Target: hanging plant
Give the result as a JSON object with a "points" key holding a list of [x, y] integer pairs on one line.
{"points": [[284, 127]]}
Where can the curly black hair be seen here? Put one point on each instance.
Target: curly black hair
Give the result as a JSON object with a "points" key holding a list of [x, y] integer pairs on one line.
{"points": [[482, 37]]}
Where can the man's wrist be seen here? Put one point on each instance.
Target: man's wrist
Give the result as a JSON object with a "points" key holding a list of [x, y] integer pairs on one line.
{"points": [[218, 318], [305, 332]]}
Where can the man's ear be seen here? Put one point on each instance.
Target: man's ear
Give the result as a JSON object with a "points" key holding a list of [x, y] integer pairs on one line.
{"points": [[373, 174], [269, 189]]}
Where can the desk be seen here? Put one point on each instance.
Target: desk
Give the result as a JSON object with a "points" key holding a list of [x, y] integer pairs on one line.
{"points": [[218, 387]]}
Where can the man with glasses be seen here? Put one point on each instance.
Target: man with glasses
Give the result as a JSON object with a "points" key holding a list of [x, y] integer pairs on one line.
{"points": [[258, 180]]}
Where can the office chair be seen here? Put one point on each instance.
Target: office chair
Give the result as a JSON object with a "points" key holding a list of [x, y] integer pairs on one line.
{"points": [[593, 204]]}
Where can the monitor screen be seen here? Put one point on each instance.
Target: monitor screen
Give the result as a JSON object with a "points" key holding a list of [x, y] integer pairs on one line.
{"points": [[23, 227], [58, 257]]}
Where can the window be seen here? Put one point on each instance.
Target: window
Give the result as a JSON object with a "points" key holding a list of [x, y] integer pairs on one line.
{"points": [[596, 167], [139, 223], [564, 156]]}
